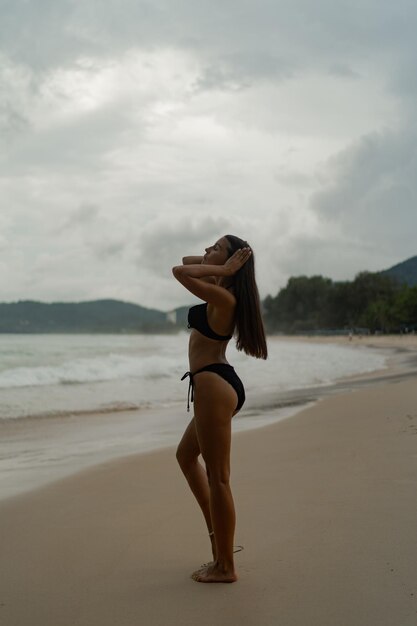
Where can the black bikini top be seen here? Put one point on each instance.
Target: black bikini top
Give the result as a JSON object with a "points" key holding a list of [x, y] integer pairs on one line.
{"points": [[197, 318]]}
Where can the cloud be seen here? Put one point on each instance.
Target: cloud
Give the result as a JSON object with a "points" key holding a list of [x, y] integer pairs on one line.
{"points": [[374, 177], [162, 242], [237, 71], [366, 207], [85, 214], [245, 39], [136, 132]]}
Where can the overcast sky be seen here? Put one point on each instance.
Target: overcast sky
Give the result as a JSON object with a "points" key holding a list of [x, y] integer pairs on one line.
{"points": [[135, 132]]}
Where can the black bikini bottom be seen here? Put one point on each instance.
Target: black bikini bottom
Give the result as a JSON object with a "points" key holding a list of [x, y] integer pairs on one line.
{"points": [[224, 370]]}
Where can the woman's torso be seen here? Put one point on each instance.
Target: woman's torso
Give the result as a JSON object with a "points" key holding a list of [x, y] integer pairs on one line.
{"points": [[204, 350]]}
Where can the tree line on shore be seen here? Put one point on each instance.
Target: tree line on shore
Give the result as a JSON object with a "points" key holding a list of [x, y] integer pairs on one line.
{"points": [[373, 301], [98, 316]]}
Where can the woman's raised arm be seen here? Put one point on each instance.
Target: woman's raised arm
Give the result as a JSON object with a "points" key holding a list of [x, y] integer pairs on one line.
{"points": [[191, 260]]}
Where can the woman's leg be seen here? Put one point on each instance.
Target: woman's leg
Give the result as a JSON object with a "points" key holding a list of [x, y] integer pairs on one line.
{"points": [[214, 404], [188, 452]]}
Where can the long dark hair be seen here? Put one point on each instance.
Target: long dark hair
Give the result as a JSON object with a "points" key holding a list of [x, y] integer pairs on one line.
{"points": [[249, 323]]}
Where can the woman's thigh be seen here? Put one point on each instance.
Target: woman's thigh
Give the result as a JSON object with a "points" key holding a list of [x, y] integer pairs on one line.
{"points": [[214, 406], [189, 448]]}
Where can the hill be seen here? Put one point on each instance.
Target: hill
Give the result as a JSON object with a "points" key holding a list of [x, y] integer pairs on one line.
{"points": [[98, 316], [405, 272]]}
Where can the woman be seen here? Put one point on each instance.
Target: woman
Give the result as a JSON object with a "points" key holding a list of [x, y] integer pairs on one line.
{"points": [[225, 279]]}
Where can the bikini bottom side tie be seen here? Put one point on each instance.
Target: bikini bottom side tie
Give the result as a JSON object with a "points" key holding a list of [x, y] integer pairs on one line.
{"points": [[190, 389]]}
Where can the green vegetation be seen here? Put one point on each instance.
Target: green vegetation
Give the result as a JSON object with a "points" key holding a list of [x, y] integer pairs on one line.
{"points": [[376, 302], [99, 316], [405, 272], [373, 301]]}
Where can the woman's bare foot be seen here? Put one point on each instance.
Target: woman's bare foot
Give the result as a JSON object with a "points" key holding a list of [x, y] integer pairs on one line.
{"points": [[213, 573], [205, 565]]}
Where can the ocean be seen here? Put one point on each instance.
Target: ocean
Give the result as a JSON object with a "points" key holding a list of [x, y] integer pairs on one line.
{"points": [[70, 401], [61, 375]]}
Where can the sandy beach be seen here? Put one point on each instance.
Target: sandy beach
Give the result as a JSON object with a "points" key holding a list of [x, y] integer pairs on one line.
{"points": [[326, 512]]}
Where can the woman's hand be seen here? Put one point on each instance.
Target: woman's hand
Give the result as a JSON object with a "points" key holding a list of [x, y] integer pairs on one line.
{"points": [[237, 260]]}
